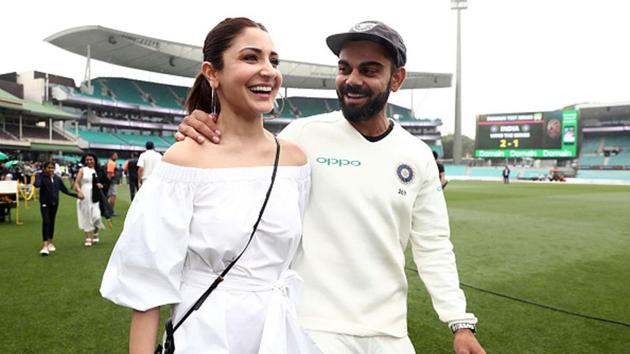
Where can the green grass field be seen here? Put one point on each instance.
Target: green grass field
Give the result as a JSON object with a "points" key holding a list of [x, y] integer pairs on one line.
{"points": [[559, 245]]}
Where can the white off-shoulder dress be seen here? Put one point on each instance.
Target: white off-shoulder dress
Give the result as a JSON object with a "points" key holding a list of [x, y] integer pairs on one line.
{"points": [[185, 226]]}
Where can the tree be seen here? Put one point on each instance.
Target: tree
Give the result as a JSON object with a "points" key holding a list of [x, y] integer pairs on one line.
{"points": [[468, 146]]}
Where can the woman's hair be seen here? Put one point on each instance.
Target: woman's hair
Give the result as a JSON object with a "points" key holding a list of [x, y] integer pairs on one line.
{"points": [[89, 154], [47, 163], [218, 40]]}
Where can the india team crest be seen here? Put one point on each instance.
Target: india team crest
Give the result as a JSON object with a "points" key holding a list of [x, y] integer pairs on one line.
{"points": [[405, 173]]}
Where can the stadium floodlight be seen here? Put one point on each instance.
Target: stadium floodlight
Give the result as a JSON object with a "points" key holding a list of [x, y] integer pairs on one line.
{"points": [[459, 4], [457, 138]]}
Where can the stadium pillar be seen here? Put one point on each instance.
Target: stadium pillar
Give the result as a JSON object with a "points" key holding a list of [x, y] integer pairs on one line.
{"points": [[457, 138], [20, 127]]}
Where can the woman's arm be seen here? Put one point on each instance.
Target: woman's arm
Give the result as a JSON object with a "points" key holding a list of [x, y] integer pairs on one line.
{"points": [[77, 184], [143, 332]]}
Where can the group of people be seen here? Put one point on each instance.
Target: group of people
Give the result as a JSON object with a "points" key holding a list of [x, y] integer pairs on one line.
{"points": [[203, 217], [96, 190]]}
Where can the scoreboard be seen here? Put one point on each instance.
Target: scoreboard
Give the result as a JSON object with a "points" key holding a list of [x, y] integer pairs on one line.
{"points": [[536, 135]]}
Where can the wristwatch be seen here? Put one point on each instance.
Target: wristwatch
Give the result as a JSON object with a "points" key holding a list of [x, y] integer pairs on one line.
{"points": [[460, 325]]}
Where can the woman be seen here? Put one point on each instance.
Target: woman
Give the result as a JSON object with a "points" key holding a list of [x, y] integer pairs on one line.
{"points": [[49, 186], [88, 210], [196, 212]]}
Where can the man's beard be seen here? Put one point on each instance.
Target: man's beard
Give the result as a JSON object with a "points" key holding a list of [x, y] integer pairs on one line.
{"points": [[367, 111]]}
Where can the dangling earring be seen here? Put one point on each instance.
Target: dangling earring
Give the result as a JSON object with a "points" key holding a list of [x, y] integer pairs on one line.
{"points": [[277, 109], [213, 102]]}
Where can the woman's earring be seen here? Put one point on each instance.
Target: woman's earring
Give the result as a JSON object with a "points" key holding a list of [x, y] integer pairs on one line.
{"points": [[213, 103], [277, 108]]}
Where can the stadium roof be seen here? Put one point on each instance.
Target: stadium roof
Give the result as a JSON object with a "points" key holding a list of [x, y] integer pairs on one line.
{"points": [[161, 56]]}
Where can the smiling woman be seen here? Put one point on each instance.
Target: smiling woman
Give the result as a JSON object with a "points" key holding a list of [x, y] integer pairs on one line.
{"points": [[192, 220]]}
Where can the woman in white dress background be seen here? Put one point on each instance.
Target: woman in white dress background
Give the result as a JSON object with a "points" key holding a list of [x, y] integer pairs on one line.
{"points": [[196, 212], [88, 212]]}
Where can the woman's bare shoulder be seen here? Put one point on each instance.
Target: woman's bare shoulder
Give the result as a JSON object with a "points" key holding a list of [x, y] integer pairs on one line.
{"points": [[291, 154], [187, 153]]}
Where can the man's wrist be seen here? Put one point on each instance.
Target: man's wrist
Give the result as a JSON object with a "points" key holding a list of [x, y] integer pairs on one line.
{"points": [[455, 327]]}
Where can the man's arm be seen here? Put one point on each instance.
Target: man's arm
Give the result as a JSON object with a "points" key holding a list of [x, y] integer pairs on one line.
{"points": [[433, 253], [140, 173]]}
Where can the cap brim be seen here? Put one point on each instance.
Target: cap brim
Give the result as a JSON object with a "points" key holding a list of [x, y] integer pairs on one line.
{"points": [[337, 41]]}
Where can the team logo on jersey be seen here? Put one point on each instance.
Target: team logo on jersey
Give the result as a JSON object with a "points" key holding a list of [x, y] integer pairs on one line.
{"points": [[405, 173]]}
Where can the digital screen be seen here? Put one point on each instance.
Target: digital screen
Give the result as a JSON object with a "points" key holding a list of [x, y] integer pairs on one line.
{"points": [[536, 135]]}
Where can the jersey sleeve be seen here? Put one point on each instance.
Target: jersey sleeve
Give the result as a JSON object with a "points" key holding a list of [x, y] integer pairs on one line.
{"points": [[433, 251]]}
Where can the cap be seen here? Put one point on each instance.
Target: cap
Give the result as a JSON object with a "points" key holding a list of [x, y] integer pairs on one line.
{"points": [[374, 31]]}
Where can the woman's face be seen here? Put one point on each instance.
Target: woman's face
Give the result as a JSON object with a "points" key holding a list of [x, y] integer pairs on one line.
{"points": [[89, 161], [250, 79]]}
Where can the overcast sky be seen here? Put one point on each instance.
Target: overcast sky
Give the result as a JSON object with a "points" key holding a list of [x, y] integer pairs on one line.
{"points": [[517, 56]]}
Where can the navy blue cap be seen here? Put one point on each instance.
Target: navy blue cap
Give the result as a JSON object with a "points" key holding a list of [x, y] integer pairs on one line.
{"points": [[374, 31]]}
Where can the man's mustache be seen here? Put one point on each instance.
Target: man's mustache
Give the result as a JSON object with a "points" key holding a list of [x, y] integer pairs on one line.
{"points": [[357, 90]]}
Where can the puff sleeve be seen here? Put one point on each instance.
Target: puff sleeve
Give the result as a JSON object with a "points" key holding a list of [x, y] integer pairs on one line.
{"points": [[145, 267]]}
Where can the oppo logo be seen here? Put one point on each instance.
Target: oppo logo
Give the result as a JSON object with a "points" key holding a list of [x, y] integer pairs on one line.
{"points": [[331, 161]]}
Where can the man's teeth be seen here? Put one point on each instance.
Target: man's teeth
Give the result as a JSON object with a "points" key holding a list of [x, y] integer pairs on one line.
{"points": [[261, 89]]}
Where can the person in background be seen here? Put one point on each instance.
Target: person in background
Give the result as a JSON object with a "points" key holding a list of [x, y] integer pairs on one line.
{"points": [[441, 170], [50, 185], [113, 180], [147, 162], [88, 211], [506, 175], [131, 170]]}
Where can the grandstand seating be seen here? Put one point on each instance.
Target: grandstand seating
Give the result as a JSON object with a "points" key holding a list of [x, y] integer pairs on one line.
{"points": [[591, 144], [595, 149], [126, 90], [140, 140], [591, 160], [161, 94], [134, 92], [95, 137], [130, 139]]}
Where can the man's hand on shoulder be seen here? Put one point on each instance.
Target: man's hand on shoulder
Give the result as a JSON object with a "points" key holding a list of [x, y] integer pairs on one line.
{"points": [[199, 126], [465, 342]]}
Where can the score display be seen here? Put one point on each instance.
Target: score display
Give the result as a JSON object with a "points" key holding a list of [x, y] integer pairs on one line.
{"points": [[536, 135]]}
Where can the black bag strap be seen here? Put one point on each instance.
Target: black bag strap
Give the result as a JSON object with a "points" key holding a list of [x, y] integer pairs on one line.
{"points": [[169, 343]]}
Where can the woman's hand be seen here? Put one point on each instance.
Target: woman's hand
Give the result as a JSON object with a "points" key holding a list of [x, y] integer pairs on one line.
{"points": [[80, 195], [99, 185]]}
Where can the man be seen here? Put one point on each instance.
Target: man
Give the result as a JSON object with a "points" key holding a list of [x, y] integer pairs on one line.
{"points": [[147, 162], [131, 169], [113, 180], [49, 185], [506, 175], [441, 170], [370, 196]]}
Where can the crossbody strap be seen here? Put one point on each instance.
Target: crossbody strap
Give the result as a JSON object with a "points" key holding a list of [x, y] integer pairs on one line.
{"points": [[220, 278]]}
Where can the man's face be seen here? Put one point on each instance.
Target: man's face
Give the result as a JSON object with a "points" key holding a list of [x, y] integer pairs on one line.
{"points": [[364, 80], [114, 156]]}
